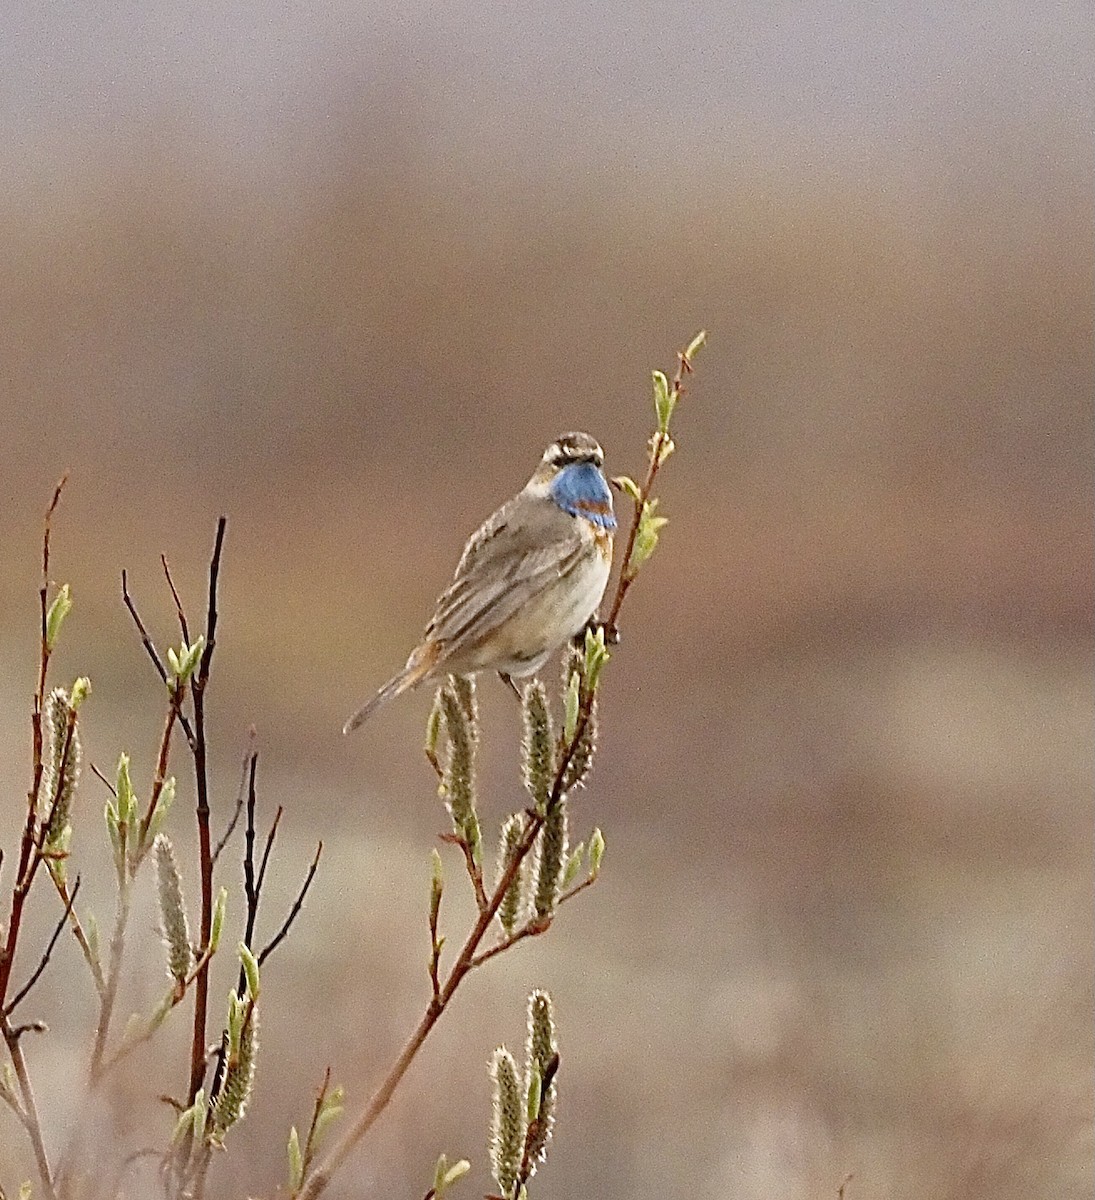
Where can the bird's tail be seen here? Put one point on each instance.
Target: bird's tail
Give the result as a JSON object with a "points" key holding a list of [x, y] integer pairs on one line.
{"points": [[418, 667]]}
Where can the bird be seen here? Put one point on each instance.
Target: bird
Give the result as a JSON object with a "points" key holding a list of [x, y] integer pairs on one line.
{"points": [[530, 578]]}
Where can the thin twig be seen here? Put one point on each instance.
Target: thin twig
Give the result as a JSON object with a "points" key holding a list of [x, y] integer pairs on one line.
{"points": [[435, 941], [321, 1095], [177, 995], [267, 848], [230, 828], [28, 860], [534, 927], [475, 873], [30, 1108], [294, 912], [146, 641], [174, 711], [153, 653], [110, 981], [103, 779], [205, 850], [78, 932], [43, 962], [252, 895], [183, 627]]}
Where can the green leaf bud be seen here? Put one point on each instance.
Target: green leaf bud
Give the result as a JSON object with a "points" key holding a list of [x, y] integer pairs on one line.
{"points": [[184, 662], [296, 1162], [453, 1174], [574, 865], [532, 1093], [81, 689], [216, 925], [251, 970], [55, 616], [571, 705], [437, 885], [695, 345], [596, 852], [628, 486], [164, 802], [329, 1112], [664, 400], [126, 800], [596, 655], [114, 828]]}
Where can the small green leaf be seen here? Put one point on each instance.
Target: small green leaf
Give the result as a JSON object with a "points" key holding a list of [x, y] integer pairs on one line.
{"points": [[251, 969], [91, 931], [185, 661], [570, 707], [55, 617], [113, 828], [198, 1115], [596, 655], [646, 537], [236, 1012], [296, 1162], [695, 345], [596, 852], [163, 806], [574, 865], [453, 1173], [328, 1114], [533, 1096], [437, 885], [220, 906], [628, 485], [664, 400], [126, 800], [81, 689]]}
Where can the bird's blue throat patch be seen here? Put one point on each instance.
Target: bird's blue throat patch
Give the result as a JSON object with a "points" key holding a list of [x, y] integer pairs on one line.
{"points": [[582, 491]]}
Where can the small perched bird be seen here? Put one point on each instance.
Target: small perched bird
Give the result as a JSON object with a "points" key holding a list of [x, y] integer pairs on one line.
{"points": [[531, 576]]}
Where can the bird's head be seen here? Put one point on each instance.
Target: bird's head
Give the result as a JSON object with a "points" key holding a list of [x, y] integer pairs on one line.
{"points": [[571, 474]]}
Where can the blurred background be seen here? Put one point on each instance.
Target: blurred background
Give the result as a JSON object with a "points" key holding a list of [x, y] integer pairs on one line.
{"points": [[341, 273]]}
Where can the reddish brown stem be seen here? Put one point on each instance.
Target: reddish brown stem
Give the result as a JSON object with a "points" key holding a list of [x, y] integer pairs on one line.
{"points": [[205, 847]]}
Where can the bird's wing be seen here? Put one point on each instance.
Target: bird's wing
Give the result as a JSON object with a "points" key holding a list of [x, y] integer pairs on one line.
{"points": [[525, 546]]}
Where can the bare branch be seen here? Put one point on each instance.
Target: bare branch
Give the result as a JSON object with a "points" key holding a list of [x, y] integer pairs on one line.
{"points": [[201, 778], [267, 848], [153, 653], [103, 779], [44, 961], [230, 828], [184, 629], [294, 912]]}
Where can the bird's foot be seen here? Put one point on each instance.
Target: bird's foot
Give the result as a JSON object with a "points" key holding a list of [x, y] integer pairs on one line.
{"points": [[508, 681], [612, 634]]}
